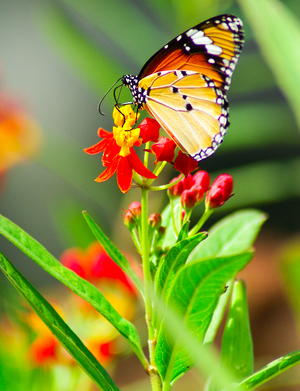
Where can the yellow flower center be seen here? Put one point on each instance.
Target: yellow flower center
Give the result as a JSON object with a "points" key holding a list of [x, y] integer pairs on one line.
{"points": [[125, 139], [125, 118]]}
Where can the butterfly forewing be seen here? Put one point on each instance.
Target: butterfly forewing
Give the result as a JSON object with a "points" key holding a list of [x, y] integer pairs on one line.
{"points": [[202, 49]]}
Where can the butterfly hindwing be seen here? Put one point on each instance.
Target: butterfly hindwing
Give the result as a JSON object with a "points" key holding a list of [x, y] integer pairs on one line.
{"points": [[190, 109]]}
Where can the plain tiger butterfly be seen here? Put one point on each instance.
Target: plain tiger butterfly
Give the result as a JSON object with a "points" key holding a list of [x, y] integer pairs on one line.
{"points": [[183, 86]]}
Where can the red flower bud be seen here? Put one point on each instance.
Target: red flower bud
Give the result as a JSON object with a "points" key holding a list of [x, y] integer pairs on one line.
{"points": [[219, 192], [187, 182], [176, 190], [164, 150], [188, 199], [154, 220], [149, 130], [129, 220], [185, 163], [135, 209], [201, 178], [199, 193]]}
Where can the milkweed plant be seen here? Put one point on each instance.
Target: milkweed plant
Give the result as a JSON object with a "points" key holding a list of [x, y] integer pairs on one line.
{"points": [[188, 282]]}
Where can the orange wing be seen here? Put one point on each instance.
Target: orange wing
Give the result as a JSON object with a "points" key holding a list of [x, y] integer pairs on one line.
{"points": [[211, 48]]}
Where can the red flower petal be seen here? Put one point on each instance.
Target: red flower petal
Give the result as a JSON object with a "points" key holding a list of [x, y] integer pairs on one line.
{"points": [[111, 150], [138, 166], [104, 133], [99, 147], [124, 174], [109, 172]]}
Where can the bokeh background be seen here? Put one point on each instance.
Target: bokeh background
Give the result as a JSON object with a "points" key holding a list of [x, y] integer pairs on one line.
{"points": [[57, 59]]}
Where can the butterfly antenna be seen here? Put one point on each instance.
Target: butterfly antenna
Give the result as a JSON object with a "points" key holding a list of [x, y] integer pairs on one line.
{"points": [[100, 103]]}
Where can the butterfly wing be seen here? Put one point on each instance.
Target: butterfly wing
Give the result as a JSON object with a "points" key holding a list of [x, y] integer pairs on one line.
{"points": [[191, 109], [184, 84], [211, 48]]}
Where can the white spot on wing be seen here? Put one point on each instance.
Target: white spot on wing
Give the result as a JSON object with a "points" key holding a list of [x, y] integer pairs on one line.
{"points": [[198, 40], [191, 32], [214, 49]]}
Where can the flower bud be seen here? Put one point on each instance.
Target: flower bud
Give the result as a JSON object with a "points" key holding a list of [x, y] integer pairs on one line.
{"points": [[176, 190], [199, 193], [219, 192], [135, 209], [187, 182], [201, 178], [129, 220], [164, 150], [188, 199], [154, 220], [184, 163], [149, 130]]}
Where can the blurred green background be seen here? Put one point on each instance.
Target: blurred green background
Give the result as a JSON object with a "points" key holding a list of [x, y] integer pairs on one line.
{"points": [[59, 57]]}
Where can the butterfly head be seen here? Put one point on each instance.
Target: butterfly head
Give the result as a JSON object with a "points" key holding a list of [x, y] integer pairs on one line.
{"points": [[139, 95]]}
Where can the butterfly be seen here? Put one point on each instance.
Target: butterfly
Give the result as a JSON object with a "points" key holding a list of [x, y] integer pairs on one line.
{"points": [[183, 86]]}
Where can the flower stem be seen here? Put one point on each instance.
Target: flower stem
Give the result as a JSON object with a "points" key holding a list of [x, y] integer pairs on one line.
{"points": [[204, 217], [152, 371]]}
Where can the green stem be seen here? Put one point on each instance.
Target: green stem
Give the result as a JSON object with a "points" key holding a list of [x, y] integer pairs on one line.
{"points": [[173, 216], [136, 241], [204, 217], [153, 373]]}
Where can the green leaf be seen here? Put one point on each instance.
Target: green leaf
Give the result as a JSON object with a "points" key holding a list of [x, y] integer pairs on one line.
{"points": [[232, 235], [194, 295], [277, 32], [237, 346], [81, 287], [113, 252], [58, 327], [175, 258], [183, 234], [170, 237], [271, 370], [218, 315]]}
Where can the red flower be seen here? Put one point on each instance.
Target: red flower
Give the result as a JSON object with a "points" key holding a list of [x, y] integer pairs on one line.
{"points": [[118, 152], [149, 130], [44, 349], [219, 192], [94, 265], [164, 150], [185, 163]]}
